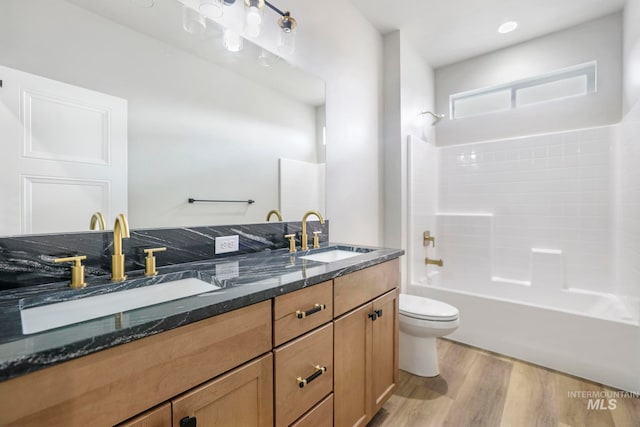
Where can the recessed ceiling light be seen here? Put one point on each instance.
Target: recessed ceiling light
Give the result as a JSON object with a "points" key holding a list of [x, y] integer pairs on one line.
{"points": [[507, 27]]}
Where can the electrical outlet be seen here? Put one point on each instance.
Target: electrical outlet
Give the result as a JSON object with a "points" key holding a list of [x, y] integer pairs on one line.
{"points": [[227, 244]]}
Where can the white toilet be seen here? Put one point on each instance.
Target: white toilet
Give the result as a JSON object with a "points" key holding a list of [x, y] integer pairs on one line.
{"points": [[422, 320]]}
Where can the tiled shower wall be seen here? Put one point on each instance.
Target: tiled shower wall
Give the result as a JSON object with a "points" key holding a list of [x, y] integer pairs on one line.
{"points": [[627, 150], [549, 193]]}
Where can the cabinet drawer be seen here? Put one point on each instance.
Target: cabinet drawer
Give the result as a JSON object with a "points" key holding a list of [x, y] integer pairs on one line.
{"points": [[320, 416], [299, 312], [242, 397], [157, 417], [299, 360], [357, 288]]}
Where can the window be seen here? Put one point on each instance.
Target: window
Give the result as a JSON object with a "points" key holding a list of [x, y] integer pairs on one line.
{"points": [[561, 84]]}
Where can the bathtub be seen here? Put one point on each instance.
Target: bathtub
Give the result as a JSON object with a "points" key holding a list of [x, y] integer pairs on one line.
{"points": [[595, 338]]}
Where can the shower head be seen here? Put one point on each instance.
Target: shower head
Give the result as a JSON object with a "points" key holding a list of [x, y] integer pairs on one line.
{"points": [[437, 117]]}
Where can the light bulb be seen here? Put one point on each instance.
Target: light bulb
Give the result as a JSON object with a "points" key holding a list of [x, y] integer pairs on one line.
{"points": [[232, 41], [192, 21], [211, 8], [265, 58], [287, 35], [253, 21]]}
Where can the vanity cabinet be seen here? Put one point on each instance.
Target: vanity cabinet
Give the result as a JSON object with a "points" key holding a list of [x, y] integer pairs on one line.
{"points": [[156, 417], [242, 397], [321, 356], [320, 416], [301, 311], [365, 343], [304, 365], [303, 374], [110, 386]]}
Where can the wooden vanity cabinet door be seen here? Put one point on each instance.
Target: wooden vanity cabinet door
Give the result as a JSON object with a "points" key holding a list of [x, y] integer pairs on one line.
{"points": [[298, 359], [366, 360], [384, 348], [242, 397], [352, 360], [156, 417], [287, 325]]}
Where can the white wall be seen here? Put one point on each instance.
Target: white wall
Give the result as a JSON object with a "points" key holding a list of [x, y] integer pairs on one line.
{"points": [[338, 44], [599, 40], [631, 54], [195, 129], [408, 90]]}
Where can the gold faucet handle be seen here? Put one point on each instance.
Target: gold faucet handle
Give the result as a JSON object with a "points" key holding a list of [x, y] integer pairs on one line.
{"points": [[150, 261], [428, 238], [316, 239], [292, 242], [77, 270]]}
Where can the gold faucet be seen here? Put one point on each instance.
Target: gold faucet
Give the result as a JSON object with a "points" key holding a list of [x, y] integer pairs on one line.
{"points": [[77, 270], [428, 238], [97, 220], [120, 231], [275, 212], [303, 237], [437, 262]]}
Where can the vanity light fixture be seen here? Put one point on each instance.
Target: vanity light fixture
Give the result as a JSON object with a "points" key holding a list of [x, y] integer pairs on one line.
{"points": [[192, 21], [253, 10], [507, 27], [287, 37], [211, 8], [196, 10], [232, 40], [253, 17]]}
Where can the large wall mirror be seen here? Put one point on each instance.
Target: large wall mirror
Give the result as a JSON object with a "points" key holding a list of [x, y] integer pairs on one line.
{"points": [[109, 106]]}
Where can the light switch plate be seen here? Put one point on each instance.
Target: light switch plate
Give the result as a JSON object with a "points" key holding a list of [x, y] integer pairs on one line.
{"points": [[226, 244]]}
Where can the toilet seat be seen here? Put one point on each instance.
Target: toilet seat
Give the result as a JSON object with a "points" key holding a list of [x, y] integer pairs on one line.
{"points": [[426, 309]]}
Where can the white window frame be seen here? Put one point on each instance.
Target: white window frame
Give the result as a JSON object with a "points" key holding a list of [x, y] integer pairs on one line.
{"points": [[588, 69]]}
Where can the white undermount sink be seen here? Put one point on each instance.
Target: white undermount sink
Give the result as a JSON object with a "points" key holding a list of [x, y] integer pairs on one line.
{"points": [[331, 255], [50, 316]]}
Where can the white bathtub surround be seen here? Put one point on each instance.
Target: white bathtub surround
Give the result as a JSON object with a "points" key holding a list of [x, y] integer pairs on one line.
{"points": [[530, 233], [627, 153]]}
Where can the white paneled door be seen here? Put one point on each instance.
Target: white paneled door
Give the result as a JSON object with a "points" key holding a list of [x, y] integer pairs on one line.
{"points": [[63, 155]]}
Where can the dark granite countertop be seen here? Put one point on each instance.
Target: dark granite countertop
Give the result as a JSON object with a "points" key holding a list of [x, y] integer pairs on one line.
{"points": [[236, 282]]}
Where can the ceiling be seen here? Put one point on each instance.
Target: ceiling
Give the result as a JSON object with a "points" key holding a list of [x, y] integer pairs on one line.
{"points": [[447, 31]]}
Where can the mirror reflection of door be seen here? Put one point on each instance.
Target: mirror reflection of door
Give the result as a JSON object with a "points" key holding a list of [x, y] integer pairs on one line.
{"points": [[64, 155]]}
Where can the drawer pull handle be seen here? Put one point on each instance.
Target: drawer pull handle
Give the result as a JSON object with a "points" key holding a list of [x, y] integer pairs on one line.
{"points": [[304, 381], [188, 422], [373, 316], [316, 308], [379, 313]]}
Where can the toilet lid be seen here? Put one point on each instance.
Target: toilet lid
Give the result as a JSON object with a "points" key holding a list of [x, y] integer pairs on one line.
{"points": [[426, 308]]}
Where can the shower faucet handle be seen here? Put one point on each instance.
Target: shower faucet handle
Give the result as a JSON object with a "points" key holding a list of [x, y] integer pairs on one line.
{"points": [[428, 238]]}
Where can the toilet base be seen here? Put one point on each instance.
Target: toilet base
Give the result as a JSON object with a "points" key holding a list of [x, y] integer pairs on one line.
{"points": [[419, 355]]}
